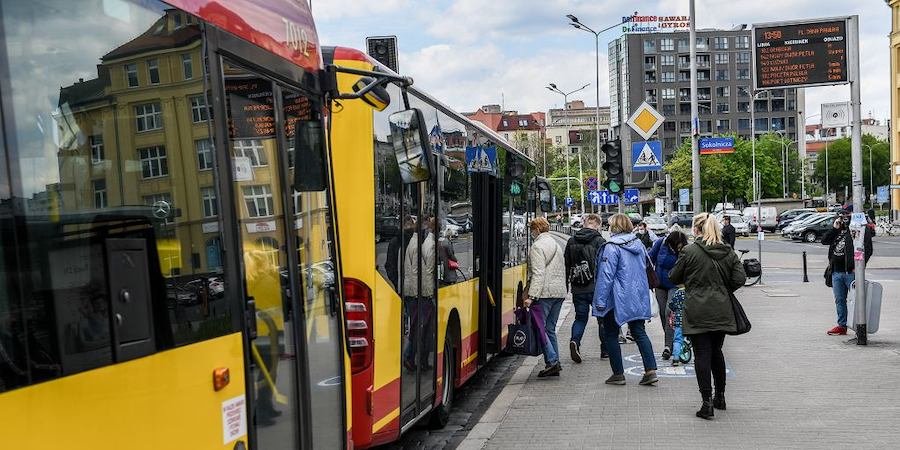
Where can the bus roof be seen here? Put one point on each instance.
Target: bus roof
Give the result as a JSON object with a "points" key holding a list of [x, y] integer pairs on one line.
{"points": [[346, 53]]}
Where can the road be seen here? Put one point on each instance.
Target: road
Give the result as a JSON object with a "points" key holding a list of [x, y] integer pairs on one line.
{"points": [[884, 245]]}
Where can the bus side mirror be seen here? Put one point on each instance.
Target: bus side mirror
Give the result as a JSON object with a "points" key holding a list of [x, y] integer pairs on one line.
{"points": [[309, 156], [411, 145]]}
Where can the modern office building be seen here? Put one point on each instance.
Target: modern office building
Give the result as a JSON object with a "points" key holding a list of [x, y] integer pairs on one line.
{"points": [[655, 68]]}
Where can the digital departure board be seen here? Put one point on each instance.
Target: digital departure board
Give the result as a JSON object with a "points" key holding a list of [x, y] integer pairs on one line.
{"points": [[798, 55]]}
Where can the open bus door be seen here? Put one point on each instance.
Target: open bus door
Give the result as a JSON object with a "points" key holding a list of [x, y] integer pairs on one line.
{"points": [[489, 236]]}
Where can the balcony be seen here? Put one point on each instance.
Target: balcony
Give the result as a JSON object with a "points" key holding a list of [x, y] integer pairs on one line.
{"points": [[649, 66], [650, 99]]}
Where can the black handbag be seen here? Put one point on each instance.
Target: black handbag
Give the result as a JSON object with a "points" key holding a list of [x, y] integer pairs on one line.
{"points": [[828, 273], [741, 322], [752, 267], [523, 337]]}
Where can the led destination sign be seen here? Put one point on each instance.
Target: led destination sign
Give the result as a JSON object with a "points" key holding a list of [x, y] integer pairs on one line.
{"points": [[798, 55]]}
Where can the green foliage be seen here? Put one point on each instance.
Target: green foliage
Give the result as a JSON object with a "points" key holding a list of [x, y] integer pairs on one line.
{"points": [[839, 163]]}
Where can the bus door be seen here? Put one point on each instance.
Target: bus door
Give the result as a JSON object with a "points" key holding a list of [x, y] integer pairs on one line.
{"points": [[419, 294], [490, 233], [294, 341]]}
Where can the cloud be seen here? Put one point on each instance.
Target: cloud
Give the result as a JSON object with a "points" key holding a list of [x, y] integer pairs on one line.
{"points": [[344, 9]]}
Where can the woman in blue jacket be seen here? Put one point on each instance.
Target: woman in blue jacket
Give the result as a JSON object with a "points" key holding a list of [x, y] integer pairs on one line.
{"points": [[621, 296], [664, 254]]}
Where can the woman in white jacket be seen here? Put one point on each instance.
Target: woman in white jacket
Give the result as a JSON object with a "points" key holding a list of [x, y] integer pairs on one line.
{"points": [[546, 287]]}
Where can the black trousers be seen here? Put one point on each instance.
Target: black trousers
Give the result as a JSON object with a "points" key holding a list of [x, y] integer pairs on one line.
{"points": [[709, 359]]}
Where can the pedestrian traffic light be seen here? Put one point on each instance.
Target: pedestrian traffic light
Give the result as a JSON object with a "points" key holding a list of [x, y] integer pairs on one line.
{"points": [[615, 176]]}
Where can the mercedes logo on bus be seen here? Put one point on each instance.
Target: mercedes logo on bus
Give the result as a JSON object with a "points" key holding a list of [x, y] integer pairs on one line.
{"points": [[161, 209]]}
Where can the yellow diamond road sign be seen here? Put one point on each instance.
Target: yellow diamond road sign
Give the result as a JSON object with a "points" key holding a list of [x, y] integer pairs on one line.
{"points": [[645, 121]]}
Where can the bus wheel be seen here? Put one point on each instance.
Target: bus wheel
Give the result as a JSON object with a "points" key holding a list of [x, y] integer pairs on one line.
{"points": [[441, 414]]}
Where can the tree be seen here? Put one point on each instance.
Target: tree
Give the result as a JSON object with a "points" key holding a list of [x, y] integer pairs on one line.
{"points": [[840, 164]]}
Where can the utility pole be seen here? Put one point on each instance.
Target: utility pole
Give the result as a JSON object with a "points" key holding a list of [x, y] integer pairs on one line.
{"points": [[861, 311], [695, 114]]}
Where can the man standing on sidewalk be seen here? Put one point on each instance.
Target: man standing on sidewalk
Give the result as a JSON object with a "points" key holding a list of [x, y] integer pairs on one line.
{"points": [[839, 240], [729, 234], [581, 273]]}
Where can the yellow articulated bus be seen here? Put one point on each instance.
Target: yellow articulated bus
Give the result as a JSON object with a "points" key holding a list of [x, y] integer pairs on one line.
{"points": [[433, 248], [168, 271]]}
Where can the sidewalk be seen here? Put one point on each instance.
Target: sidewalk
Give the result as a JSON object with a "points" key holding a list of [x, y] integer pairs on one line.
{"points": [[789, 385]]}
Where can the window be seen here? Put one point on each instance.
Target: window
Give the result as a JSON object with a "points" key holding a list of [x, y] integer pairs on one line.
{"points": [[743, 124], [668, 93], [720, 43], [97, 153], [723, 91], [723, 125], [100, 194], [669, 126], [684, 94], [649, 46], [743, 57], [650, 95], [259, 200], [703, 75], [668, 77], [131, 76], [253, 149], [187, 66], [684, 62], [649, 77], [702, 43], [685, 126], [559, 139], [667, 60], [721, 58], [683, 45], [743, 107], [704, 94], [153, 162], [204, 154], [722, 107], [743, 74], [199, 111], [721, 75], [743, 91], [505, 124], [685, 75], [153, 71], [177, 21], [762, 124], [649, 63], [777, 123], [667, 44], [778, 105], [668, 110], [684, 108], [702, 60], [742, 42], [148, 117], [523, 122], [208, 199]]}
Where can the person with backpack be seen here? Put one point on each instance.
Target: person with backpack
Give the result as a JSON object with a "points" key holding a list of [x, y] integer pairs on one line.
{"points": [[581, 273], [710, 271], [620, 297], [664, 253]]}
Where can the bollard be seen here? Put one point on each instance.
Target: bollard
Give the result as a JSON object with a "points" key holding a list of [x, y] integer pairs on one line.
{"points": [[805, 276]]}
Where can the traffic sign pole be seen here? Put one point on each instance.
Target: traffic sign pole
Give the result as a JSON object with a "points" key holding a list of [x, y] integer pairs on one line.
{"points": [[695, 125], [860, 313]]}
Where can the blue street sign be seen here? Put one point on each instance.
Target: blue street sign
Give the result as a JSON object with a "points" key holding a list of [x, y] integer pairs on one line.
{"points": [[604, 197], [595, 197], [883, 194], [684, 196], [646, 156], [632, 196], [569, 202], [716, 145]]}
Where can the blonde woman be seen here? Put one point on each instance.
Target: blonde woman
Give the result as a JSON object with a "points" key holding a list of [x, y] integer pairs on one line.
{"points": [[546, 287], [621, 295], [710, 271]]}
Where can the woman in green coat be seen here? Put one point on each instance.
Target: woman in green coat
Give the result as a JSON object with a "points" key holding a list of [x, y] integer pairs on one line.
{"points": [[710, 271]]}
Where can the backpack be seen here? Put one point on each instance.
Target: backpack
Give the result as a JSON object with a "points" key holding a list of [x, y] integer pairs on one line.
{"points": [[584, 270]]}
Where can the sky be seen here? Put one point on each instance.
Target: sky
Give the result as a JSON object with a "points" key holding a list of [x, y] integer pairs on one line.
{"points": [[469, 53]]}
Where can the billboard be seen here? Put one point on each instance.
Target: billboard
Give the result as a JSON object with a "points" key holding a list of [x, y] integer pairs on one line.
{"points": [[792, 54]]}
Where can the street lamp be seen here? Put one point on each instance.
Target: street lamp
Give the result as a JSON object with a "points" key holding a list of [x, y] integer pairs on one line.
{"points": [[553, 88], [785, 164], [580, 26], [757, 180]]}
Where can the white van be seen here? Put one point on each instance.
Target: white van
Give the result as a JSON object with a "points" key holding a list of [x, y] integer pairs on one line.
{"points": [[769, 215]]}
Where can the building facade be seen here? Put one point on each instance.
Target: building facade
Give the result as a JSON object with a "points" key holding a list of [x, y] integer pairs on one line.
{"points": [[523, 131], [655, 68], [574, 126]]}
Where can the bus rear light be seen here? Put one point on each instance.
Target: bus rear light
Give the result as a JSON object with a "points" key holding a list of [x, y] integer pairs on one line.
{"points": [[358, 312]]}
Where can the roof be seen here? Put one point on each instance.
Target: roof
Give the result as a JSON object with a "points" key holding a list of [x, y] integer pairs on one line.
{"points": [[157, 37], [84, 92], [511, 122]]}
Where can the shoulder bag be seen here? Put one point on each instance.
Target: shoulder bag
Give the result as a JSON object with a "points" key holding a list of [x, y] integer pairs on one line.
{"points": [[741, 322]]}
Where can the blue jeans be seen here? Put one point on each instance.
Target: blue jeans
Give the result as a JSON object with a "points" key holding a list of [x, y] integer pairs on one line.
{"points": [[611, 335], [677, 343], [840, 285], [582, 304], [551, 308]]}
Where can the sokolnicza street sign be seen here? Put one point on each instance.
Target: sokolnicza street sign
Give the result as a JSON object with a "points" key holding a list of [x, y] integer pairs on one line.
{"points": [[800, 54]]}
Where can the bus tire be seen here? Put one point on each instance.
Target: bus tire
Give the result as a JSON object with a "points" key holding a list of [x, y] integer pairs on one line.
{"points": [[441, 414]]}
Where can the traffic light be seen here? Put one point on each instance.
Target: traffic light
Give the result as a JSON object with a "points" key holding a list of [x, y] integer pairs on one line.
{"points": [[615, 176]]}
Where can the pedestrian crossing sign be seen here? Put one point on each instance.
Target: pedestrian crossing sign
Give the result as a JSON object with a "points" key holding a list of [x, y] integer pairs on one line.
{"points": [[645, 120], [646, 156]]}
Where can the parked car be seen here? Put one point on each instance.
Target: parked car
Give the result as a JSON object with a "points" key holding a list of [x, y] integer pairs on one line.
{"points": [[799, 221], [813, 231], [740, 224], [769, 217], [685, 220], [575, 220], [464, 223], [656, 224], [790, 215]]}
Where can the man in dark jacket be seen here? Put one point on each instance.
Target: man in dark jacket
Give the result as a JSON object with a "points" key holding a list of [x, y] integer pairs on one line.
{"points": [[581, 274], [396, 249], [839, 240], [728, 233]]}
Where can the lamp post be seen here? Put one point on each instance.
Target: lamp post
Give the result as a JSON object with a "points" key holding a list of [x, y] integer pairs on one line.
{"points": [[580, 26], [552, 87], [758, 180], [871, 184], [785, 164]]}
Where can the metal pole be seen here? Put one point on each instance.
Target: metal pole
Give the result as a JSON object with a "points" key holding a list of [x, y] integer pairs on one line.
{"points": [[597, 113], [581, 179], [860, 313], [871, 183], [568, 155], [783, 173], [695, 115], [827, 188], [805, 275], [757, 179]]}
